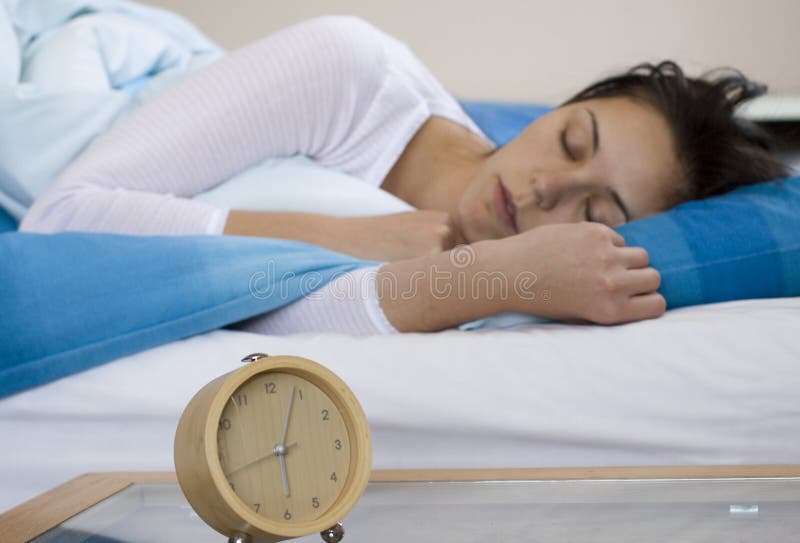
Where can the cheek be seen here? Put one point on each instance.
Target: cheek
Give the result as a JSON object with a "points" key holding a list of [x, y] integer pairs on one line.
{"points": [[543, 136], [523, 157]]}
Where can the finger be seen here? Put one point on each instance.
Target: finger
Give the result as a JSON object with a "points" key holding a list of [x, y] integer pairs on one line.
{"points": [[634, 257], [616, 238], [646, 306], [642, 281], [604, 231]]}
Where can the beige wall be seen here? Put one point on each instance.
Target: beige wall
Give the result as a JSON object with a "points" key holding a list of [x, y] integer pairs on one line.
{"points": [[544, 50]]}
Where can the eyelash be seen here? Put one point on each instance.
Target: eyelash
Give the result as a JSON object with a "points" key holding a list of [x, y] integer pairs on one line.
{"points": [[587, 210], [564, 145]]}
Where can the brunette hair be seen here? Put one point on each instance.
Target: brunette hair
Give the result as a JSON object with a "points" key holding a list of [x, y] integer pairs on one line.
{"points": [[718, 150]]}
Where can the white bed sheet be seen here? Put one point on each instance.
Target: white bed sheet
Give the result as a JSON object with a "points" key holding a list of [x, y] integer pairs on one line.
{"points": [[715, 384]]}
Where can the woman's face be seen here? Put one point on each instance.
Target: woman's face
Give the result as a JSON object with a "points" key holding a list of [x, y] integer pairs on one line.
{"points": [[608, 160]]}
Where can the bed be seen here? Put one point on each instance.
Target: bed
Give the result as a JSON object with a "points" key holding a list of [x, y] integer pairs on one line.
{"points": [[709, 384], [713, 384]]}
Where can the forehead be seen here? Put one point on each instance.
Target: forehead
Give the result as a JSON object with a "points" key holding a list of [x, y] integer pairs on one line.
{"points": [[636, 154]]}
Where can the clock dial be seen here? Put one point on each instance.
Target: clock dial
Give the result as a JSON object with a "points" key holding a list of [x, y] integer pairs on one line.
{"points": [[284, 447]]}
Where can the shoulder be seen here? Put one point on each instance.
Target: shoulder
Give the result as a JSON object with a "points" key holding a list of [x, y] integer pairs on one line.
{"points": [[351, 46], [353, 58], [345, 43], [367, 54]]}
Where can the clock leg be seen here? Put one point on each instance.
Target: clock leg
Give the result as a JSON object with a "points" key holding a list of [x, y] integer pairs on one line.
{"points": [[333, 534], [239, 538]]}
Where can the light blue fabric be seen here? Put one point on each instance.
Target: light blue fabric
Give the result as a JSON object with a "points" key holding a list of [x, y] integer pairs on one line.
{"points": [[10, 58], [33, 18], [73, 301], [78, 65], [7, 222]]}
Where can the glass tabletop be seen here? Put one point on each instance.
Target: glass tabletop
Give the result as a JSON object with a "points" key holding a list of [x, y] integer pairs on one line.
{"points": [[618, 511]]}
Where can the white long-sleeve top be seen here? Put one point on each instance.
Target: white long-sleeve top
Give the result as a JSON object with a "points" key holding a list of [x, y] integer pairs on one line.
{"points": [[335, 89]]}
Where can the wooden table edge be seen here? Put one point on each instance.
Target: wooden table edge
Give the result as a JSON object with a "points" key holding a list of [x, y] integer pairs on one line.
{"points": [[48, 510]]}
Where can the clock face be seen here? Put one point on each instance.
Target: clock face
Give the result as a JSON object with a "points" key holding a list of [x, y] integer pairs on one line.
{"points": [[284, 447]]}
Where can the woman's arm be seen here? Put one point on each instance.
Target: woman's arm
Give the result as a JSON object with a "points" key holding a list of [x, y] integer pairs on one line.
{"points": [[578, 272], [384, 238], [300, 91], [414, 295], [430, 293]]}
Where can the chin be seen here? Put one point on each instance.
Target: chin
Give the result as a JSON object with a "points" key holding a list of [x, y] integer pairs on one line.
{"points": [[473, 226]]}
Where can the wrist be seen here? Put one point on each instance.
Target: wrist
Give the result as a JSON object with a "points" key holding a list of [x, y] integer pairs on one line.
{"points": [[486, 280], [435, 292], [529, 274], [512, 286]]}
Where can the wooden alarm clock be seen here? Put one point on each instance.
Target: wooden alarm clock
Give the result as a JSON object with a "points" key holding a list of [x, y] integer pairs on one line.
{"points": [[277, 449]]}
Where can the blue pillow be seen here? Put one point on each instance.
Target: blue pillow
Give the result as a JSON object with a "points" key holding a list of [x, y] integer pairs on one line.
{"points": [[744, 244]]}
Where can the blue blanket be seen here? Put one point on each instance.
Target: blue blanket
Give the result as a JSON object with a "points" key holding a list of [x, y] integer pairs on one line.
{"points": [[73, 301]]}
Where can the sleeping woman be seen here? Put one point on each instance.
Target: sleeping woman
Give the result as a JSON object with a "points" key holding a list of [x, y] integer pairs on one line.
{"points": [[356, 100]]}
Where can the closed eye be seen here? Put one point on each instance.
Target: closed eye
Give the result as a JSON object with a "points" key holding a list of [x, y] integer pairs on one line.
{"points": [[598, 210], [565, 147]]}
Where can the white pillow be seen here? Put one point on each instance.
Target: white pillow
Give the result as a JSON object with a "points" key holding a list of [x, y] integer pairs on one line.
{"points": [[299, 184]]}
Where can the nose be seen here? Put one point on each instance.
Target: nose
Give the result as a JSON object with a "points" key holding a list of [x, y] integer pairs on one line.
{"points": [[549, 188]]}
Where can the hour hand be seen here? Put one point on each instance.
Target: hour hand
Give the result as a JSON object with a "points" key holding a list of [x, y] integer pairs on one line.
{"points": [[277, 451]]}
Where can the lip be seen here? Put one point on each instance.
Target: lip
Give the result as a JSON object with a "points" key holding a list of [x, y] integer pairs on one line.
{"points": [[502, 199]]}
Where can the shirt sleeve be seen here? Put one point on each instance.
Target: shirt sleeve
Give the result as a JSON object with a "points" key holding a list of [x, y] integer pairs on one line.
{"points": [[303, 90], [348, 304]]}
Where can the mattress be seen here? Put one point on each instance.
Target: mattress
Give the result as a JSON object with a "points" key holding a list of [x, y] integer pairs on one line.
{"points": [[713, 384]]}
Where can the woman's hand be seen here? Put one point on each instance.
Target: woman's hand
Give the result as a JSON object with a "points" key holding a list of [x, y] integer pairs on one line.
{"points": [[399, 236], [583, 272], [571, 272]]}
